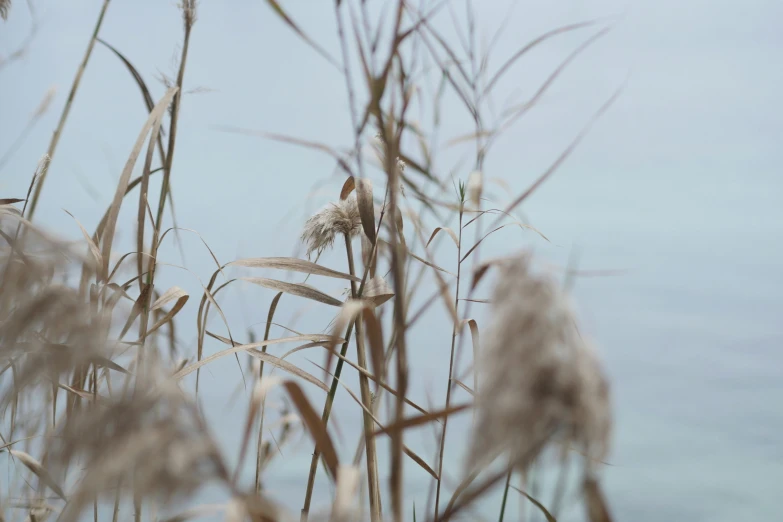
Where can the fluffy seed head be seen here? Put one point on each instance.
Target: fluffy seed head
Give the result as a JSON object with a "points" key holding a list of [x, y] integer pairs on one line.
{"points": [[341, 217], [539, 379], [475, 188]]}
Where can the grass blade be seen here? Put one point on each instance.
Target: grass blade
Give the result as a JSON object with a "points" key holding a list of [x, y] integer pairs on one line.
{"points": [[348, 187], [444, 229], [245, 347], [36, 467], [173, 293], [597, 509], [366, 206], [293, 264], [474, 334], [301, 290], [111, 223], [93, 247], [418, 420], [288, 367], [287, 19], [317, 429]]}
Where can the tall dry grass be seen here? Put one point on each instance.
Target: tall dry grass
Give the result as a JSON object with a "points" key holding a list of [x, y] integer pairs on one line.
{"points": [[93, 410]]}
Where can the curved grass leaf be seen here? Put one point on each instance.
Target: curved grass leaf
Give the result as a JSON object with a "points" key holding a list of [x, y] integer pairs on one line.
{"points": [[317, 429], [449, 231], [36, 467], [108, 234], [301, 290], [245, 347], [294, 264]]}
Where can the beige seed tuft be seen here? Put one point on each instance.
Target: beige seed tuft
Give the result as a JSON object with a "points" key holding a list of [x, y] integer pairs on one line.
{"points": [[540, 380], [341, 217]]}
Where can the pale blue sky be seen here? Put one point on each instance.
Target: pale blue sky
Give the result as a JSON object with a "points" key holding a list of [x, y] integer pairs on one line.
{"points": [[679, 184]]}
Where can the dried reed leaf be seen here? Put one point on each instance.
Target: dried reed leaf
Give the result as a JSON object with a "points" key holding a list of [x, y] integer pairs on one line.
{"points": [[80, 393], [565, 154], [377, 291], [96, 253], [100, 360], [298, 289], [549, 517], [521, 52], [245, 347], [399, 224], [597, 510], [293, 264], [516, 112], [145, 92], [348, 312], [480, 272], [144, 209], [366, 373], [256, 403], [418, 460], [474, 335], [348, 187], [137, 308], [517, 223], [10, 201], [9, 444], [464, 386], [108, 234], [317, 429], [171, 294], [102, 223], [428, 263], [288, 367], [418, 420], [36, 467], [309, 41], [470, 137], [201, 321], [314, 145], [352, 394], [374, 334], [201, 238], [449, 231], [366, 207]]}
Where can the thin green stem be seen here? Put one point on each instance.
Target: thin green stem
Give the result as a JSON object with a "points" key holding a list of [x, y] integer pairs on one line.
{"points": [[324, 419], [505, 497], [454, 333], [336, 378], [269, 317]]}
